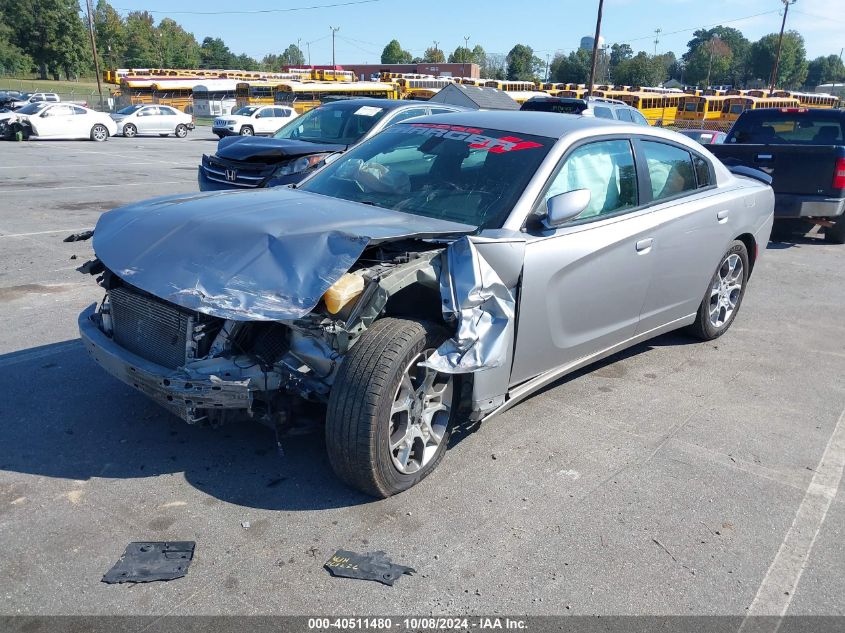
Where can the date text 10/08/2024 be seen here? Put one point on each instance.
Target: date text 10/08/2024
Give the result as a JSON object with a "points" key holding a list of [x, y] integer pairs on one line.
{"points": [[415, 624]]}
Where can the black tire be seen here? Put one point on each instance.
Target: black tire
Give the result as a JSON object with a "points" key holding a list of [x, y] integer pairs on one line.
{"points": [[358, 418], [99, 133], [247, 130], [130, 130], [703, 328], [836, 234], [181, 131]]}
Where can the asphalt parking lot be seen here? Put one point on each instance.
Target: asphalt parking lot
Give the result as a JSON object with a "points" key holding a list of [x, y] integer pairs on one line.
{"points": [[677, 478]]}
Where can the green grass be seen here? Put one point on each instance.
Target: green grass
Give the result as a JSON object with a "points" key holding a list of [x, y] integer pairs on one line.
{"points": [[83, 87]]}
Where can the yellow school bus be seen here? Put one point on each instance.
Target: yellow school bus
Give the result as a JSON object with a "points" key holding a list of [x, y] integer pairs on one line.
{"points": [[808, 99], [510, 86], [305, 96], [249, 93], [658, 108], [421, 88], [734, 106], [700, 108]]}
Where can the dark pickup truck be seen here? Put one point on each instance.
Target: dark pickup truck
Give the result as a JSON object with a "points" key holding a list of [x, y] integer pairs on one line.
{"points": [[803, 150]]}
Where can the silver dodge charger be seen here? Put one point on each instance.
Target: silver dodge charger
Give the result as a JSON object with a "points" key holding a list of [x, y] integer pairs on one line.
{"points": [[434, 276]]}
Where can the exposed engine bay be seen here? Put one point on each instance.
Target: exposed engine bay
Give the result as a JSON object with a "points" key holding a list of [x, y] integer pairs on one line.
{"points": [[223, 368]]}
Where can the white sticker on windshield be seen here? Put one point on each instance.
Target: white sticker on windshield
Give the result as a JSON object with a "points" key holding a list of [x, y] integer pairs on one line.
{"points": [[367, 111]]}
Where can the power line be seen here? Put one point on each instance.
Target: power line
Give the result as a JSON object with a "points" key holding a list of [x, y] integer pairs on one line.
{"points": [[257, 11], [701, 26]]}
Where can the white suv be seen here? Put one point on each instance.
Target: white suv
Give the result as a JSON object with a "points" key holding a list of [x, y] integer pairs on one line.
{"points": [[32, 97], [251, 120]]}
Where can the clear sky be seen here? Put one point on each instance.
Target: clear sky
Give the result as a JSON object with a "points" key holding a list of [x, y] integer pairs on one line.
{"points": [[547, 26]]}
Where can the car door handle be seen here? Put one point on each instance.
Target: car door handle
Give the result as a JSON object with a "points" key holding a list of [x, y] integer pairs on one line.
{"points": [[644, 246], [722, 215]]}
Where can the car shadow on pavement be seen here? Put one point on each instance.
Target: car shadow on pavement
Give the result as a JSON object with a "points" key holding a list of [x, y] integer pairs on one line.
{"points": [[62, 416]]}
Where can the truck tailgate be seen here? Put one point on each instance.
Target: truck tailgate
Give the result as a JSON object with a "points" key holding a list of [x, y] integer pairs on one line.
{"points": [[795, 169]]}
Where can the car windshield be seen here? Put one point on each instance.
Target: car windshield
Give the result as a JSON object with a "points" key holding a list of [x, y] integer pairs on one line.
{"points": [[245, 111], [450, 172], [343, 122], [32, 108], [130, 109]]}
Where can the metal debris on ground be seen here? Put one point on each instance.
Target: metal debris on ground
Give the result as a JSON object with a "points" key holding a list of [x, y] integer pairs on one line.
{"points": [[370, 566], [147, 562], [245, 524]]}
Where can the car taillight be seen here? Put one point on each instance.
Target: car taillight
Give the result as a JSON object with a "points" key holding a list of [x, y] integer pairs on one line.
{"points": [[839, 174]]}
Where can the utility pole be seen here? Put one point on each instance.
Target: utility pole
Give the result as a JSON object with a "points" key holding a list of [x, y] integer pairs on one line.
{"points": [[308, 45], [595, 49], [657, 33], [94, 51], [548, 57], [334, 29], [466, 52], [774, 79]]}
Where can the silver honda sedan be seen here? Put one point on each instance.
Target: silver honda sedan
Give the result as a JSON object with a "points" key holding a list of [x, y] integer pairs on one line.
{"points": [[433, 276]]}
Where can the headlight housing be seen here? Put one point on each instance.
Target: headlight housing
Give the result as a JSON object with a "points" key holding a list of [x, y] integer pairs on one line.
{"points": [[300, 164]]}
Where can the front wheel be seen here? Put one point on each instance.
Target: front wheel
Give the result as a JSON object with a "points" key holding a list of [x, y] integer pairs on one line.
{"points": [[389, 419], [129, 130], [724, 295], [181, 130], [99, 133], [246, 131]]}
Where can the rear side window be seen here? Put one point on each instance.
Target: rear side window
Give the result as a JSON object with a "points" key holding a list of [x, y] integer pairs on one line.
{"points": [[669, 168], [638, 118], [624, 115], [801, 128], [603, 113], [703, 176]]}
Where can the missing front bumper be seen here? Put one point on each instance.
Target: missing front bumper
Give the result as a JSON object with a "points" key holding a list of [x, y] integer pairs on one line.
{"points": [[186, 396]]}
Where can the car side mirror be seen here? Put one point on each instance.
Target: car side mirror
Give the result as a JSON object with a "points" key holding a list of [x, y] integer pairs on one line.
{"points": [[565, 206]]}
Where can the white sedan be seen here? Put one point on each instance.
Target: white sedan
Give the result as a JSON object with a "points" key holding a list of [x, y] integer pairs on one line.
{"points": [[152, 119], [252, 120], [66, 121]]}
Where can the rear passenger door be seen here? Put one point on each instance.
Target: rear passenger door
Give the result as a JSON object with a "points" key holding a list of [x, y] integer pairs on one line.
{"points": [[692, 231]]}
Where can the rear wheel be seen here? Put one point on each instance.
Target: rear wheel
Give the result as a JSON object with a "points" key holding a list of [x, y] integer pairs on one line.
{"points": [[129, 130], [389, 419], [181, 130], [836, 234], [724, 295], [246, 130], [99, 133]]}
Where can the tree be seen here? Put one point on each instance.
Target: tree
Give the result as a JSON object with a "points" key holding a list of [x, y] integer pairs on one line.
{"points": [[293, 56], [215, 54], [393, 54], [433, 56], [13, 61], [461, 55], [824, 70], [619, 53], [572, 68], [729, 64], [641, 70], [177, 47], [141, 41], [110, 34], [48, 31], [523, 65], [792, 68]]}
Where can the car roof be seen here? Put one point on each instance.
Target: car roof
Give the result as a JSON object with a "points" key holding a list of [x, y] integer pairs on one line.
{"points": [[549, 124]]}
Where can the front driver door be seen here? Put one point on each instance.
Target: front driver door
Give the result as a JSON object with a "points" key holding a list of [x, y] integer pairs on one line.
{"points": [[55, 121], [584, 283]]}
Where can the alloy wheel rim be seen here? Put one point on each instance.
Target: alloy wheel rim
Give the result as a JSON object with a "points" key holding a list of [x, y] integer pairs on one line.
{"points": [[419, 415], [129, 131], [99, 133], [726, 290]]}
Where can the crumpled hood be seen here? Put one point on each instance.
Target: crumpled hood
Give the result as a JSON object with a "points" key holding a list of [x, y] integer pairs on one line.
{"points": [[270, 149], [263, 255]]}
